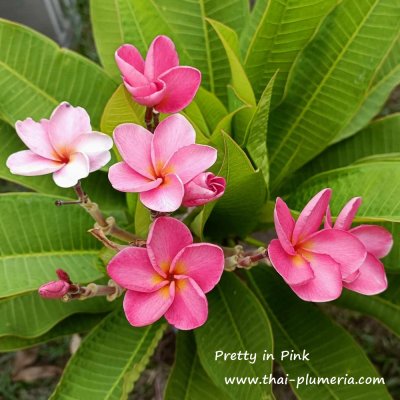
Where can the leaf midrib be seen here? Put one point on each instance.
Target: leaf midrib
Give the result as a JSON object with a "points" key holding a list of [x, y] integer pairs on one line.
{"points": [[49, 254]]}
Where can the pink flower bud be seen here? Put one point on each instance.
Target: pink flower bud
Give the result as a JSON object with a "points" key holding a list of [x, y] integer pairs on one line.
{"points": [[62, 275], [54, 289], [204, 188]]}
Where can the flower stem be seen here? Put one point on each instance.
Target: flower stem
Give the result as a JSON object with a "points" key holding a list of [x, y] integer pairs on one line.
{"points": [[148, 118], [107, 225]]}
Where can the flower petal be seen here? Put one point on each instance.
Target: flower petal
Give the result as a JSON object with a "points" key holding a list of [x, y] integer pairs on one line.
{"points": [[346, 216], [134, 144], [294, 269], [167, 237], [342, 246], [98, 160], [328, 219], [161, 57], [189, 309], [145, 308], [284, 225], [376, 239], [148, 95], [132, 270], [93, 142], [165, 198], [327, 283], [125, 179], [190, 161], [36, 138], [310, 218], [372, 278], [28, 163], [202, 262], [76, 168], [131, 65], [181, 85], [170, 135], [66, 124]]}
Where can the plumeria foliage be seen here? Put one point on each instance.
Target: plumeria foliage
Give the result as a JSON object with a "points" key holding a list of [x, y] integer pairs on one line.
{"points": [[224, 171]]}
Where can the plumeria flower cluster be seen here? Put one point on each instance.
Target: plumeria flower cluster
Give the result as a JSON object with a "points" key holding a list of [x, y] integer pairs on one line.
{"points": [[168, 274], [317, 263]]}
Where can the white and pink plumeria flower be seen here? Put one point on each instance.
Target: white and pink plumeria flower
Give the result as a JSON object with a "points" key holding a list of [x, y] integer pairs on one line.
{"points": [[64, 145]]}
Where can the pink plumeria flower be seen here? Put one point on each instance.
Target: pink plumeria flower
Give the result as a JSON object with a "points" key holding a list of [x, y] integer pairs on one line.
{"points": [[371, 277], [170, 277], [158, 166], [65, 145], [159, 81], [313, 262], [204, 188], [54, 289]]}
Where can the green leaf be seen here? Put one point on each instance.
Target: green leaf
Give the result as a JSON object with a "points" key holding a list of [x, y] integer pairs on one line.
{"points": [[30, 316], [121, 109], [387, 77], [386, 311], [256, 135], [36, 75], [329, 81], [78, 323], [237, 211], [299, 326], [240, 82], [109, 360], [188, 380], [138, 22], [236, 322], [37, 238], [279, 31], [379, 137], [142, 220], [377, 183], [96, 185], [211, 108]]}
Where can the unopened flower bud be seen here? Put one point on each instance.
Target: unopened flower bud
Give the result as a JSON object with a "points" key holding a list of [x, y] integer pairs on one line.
{"points": [[54, 289], [204, 188]]}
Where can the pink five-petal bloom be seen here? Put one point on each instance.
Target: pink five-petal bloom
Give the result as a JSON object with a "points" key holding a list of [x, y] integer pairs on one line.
{"points": [[169, 277], [158, 166], [158, 81], [204, 188], [371, 278], [64, 145], [313, 262]]}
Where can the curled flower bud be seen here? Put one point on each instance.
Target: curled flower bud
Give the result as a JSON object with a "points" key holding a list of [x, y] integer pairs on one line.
{"points": [[62, 275], [65, 146], [158, 81], [54, 289], [203, 188]]}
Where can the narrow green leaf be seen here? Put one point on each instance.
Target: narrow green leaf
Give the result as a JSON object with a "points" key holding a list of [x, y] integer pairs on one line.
{"points": [[29, 315], [237, 211], [188, 380], [37, 238], [283, 29], [299, 326], [239, 78], [78, 323], [109, 361], [142, 220], [96, 184], [387, 77], [330, 79], [256, 135], [377, 183], [379, 137], [236, 322], [36, 75]]}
